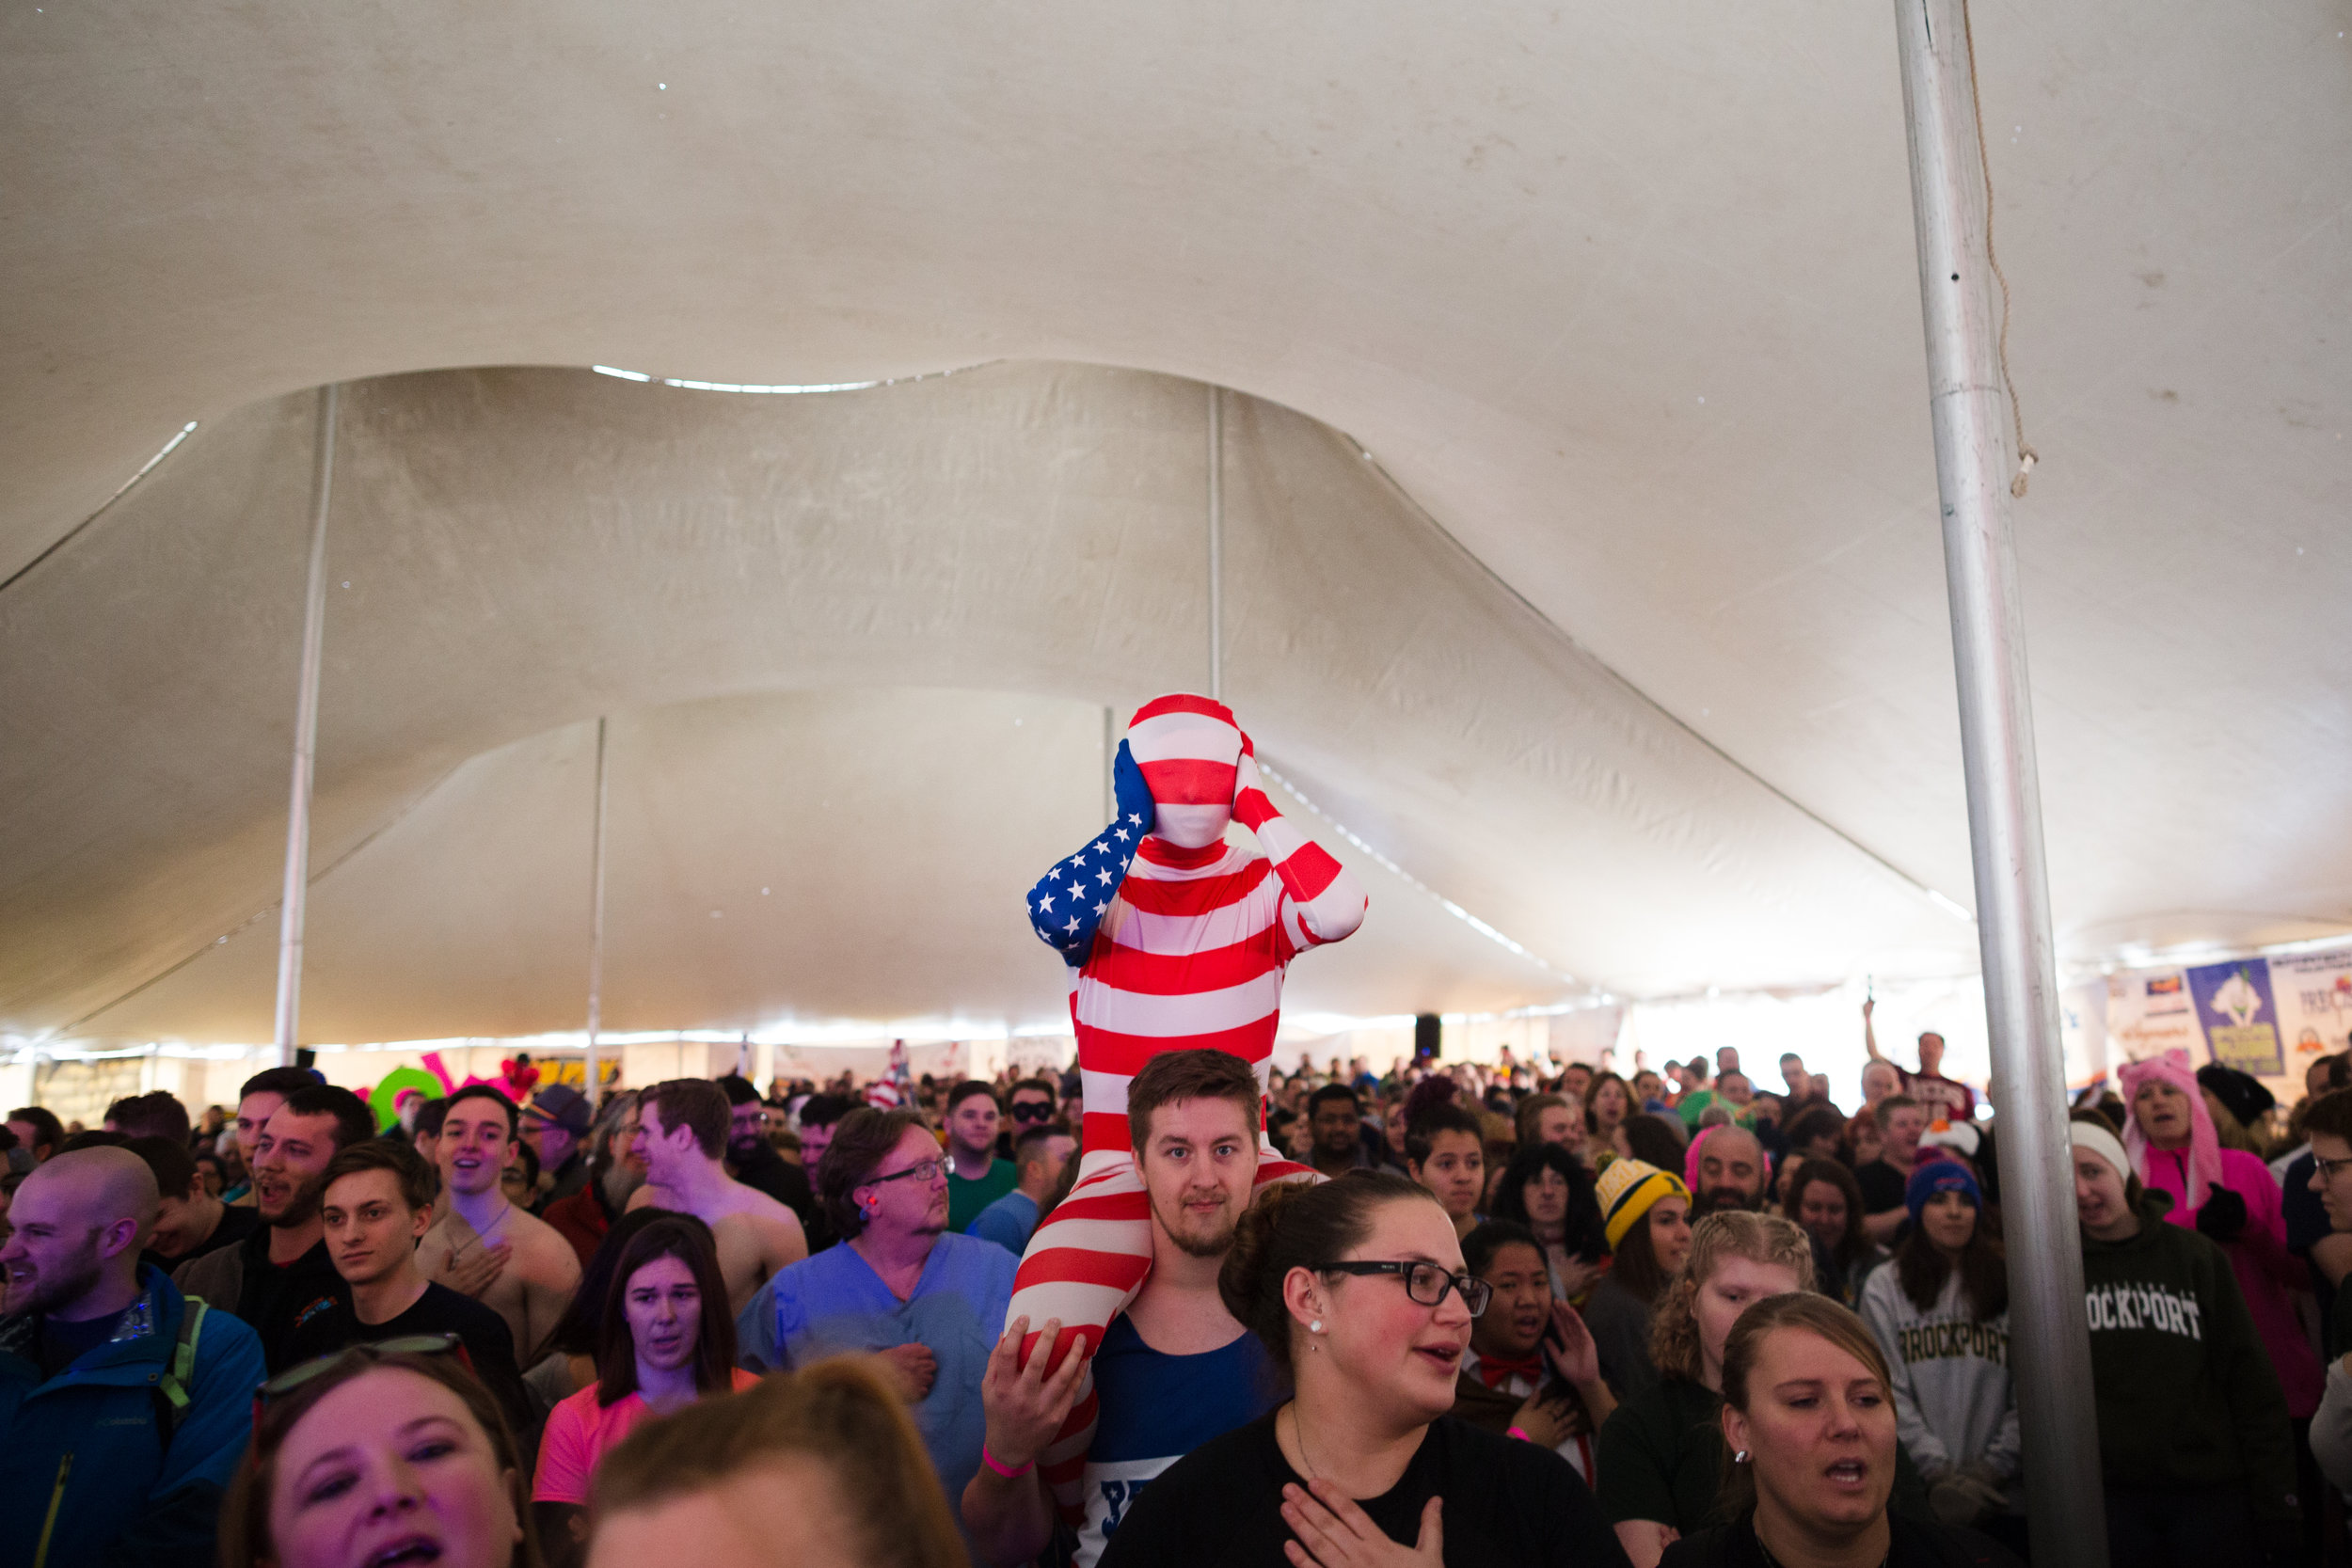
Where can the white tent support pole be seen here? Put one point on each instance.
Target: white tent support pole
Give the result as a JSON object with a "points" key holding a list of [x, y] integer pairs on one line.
{"points": [[1216, 542], [595, 932], [291, 907], [2049, 1338]]}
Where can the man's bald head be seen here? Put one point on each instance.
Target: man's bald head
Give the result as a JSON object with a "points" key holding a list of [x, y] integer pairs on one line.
{"points": [[79, 1220], [1730, 1169], [105, 1185]]}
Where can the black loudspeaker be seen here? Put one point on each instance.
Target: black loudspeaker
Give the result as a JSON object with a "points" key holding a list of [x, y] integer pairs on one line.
{"points": [[305, 1057], [1425, 1032]]}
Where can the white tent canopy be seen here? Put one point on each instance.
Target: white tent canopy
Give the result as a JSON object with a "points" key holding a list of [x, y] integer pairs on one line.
{"points": [[1640, 658]]}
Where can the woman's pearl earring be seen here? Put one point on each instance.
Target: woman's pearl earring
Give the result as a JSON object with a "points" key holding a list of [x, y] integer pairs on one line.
{"points": [[1315, 1327]]}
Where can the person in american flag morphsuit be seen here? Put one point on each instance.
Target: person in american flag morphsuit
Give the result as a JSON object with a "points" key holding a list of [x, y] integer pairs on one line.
{"points": [[1175, 940]]}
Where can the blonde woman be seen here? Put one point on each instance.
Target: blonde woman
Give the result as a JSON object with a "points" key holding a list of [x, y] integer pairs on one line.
{"points": [[820, 1467], [1810, 1422], [1662, 1455]]}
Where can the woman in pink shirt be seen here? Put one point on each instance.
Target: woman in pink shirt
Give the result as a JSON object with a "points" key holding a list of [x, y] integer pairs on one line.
{"points": [[666, 1340], [2228, 1194]]}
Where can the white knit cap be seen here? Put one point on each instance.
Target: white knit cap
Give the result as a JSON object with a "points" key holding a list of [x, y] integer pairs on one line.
{"points": [[2102, 1143]]}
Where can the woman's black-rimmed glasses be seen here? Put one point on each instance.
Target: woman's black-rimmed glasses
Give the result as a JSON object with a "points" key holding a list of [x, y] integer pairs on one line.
{"points": [[1425, 1283]]}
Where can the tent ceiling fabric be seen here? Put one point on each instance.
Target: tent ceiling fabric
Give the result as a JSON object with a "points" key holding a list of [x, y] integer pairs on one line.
{"points": [[775, 861], [514, 552], [1624, 298]]}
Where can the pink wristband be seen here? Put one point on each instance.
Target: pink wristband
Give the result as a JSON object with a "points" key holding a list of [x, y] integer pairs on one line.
{"points": [[1514, 1431], [1001, 1467]]}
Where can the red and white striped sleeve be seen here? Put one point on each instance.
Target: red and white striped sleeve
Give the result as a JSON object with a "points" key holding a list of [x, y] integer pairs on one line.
{"points": [[1326, 902]]}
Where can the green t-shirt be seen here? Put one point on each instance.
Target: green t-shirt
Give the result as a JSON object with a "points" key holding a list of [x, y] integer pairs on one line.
{"points": [[1694, 1105], [965, 1199]]}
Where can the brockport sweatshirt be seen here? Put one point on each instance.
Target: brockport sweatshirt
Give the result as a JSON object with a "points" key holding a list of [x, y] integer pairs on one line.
{"points": [[2185, 1392], [1954, 1401]]}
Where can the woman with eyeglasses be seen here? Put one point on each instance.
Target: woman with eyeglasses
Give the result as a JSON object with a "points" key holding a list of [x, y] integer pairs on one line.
{"points": [[665, 1341], [1547, 1190], [385, 1453], [1357, 1289]]}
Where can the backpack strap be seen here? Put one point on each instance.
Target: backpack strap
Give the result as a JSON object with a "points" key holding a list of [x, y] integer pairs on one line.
{"points": [[180, 1375]]}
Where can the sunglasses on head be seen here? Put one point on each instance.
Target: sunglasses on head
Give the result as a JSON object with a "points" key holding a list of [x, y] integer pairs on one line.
{"points": [[401, 1344]]}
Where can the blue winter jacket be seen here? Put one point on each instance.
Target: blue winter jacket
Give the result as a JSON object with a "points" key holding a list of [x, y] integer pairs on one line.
{"points": [[99, 1465]]}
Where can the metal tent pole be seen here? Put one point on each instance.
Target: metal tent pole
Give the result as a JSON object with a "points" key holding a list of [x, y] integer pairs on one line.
{"points": [[1216, 542], [2050, 1338], [596, 932], [291, 907]]}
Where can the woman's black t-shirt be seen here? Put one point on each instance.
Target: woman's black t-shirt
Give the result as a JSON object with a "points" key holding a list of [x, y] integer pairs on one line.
{"points": [[1507, 1504], [1912, 1543]]}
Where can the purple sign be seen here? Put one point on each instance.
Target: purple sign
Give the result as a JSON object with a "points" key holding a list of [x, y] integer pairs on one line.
{"points": [[2239, 1016]]}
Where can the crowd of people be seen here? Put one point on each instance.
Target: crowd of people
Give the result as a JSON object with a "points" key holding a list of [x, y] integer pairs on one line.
{"points": [[1529, 1313]]}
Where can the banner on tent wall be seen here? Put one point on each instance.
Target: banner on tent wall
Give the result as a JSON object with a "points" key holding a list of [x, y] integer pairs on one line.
{"points": [[2315, 996], [573, 1070], [2238, 1015], [2083, 1032], [2149, 1011]]}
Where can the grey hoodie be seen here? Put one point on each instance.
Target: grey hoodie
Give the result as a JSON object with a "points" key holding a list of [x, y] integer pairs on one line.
{"points": [[1954, 1400]]}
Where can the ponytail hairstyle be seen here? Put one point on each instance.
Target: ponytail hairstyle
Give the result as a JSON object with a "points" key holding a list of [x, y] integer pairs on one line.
{"points": [[1673, 1336], [1800, 1311], [1299, 1224]]}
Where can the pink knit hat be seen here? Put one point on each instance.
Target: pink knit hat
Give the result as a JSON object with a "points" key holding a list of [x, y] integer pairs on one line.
{"points": [[2204, 1144]]}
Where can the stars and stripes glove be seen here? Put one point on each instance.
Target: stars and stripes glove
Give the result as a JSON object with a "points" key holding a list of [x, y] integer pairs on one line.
{"points": [[1070, 900]]}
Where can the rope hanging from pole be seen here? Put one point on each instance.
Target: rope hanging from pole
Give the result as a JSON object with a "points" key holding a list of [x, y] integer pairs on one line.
{"points": [[2026, 456]]}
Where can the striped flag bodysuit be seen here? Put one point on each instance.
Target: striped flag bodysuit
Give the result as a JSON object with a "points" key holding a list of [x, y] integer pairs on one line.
{"points": [[1173, 949]]}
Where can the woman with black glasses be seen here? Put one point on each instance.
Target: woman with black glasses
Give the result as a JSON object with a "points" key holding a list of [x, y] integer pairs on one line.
{"points": [[1357, 1289]]}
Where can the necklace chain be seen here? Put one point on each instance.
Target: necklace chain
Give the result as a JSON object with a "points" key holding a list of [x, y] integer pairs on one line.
{"points": [[1298, 1436], [482, 1237]]}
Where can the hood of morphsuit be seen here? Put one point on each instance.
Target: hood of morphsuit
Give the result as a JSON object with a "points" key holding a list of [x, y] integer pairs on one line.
{"points": [[1188, 747]]}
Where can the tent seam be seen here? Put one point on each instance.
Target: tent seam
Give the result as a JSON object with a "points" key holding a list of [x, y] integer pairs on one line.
{"points": [[1645, 698], [262, 913]]}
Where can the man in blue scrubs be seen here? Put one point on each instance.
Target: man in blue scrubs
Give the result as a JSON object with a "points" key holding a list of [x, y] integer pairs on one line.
{"points": [[928, 1303]]}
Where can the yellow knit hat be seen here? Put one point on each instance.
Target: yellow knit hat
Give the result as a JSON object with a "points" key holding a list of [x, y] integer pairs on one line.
{"points": [[1627, 1188]]}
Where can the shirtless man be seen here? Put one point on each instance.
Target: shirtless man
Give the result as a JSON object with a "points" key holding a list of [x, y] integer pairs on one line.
{"points": [[537, 1269], [683, 1136]]}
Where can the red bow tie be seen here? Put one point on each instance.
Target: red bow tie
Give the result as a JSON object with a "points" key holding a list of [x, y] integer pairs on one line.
{"points": [[1493, 1370]]}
